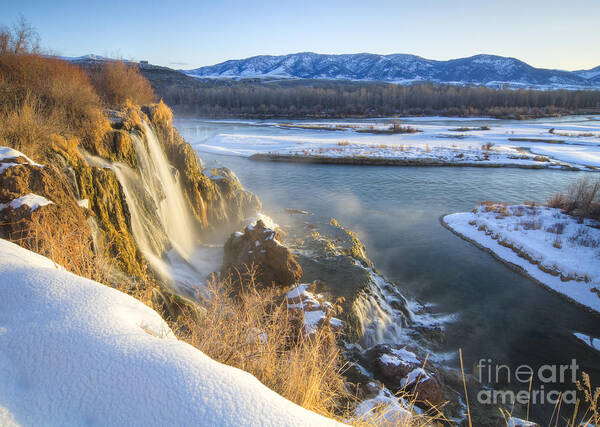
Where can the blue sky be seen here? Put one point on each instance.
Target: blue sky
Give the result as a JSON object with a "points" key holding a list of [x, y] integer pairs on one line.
{"points": [[188, 34]]}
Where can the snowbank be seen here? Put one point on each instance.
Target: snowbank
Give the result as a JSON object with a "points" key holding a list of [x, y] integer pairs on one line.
{"points": [[551, 247], [75, 352]]}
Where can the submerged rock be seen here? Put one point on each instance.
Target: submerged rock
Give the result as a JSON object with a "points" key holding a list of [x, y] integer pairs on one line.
{"points": [[260, 247]]}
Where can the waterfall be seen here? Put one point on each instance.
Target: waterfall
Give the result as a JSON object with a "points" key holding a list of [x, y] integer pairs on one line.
{"points": [[161, 222], [161, 180], [381, 311]]}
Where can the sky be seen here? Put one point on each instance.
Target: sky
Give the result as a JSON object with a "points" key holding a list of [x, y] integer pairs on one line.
{"points": [[189, 34]]}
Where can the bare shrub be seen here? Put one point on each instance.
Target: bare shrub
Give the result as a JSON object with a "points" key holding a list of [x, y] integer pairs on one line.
{"points": [[582, 199], [531, 224], [117, 82], [557, 243], [556, 228], [583, 238]]}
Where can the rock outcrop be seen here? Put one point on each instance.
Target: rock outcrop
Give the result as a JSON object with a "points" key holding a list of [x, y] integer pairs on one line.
{"points": [[400, 369], [260, 247]]}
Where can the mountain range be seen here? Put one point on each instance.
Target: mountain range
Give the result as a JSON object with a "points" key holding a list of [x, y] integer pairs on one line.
{"points": [[488, 70]]}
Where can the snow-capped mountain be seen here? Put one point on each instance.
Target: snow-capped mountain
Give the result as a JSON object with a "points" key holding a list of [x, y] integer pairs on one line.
{"points": [[487, 70]]}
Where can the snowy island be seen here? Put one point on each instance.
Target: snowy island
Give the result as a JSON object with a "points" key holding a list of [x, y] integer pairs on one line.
{"points": [[556, 250], [419, 141]]}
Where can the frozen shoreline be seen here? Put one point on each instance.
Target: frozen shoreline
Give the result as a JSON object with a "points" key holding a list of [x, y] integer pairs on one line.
{"points": [[559, 263]]}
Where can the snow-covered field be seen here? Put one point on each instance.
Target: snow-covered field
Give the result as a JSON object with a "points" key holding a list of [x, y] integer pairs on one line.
{"points": [[74, 352], [551, 247], [568, 141]]}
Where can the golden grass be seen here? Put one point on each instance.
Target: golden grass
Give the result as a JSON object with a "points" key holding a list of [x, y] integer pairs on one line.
{"points": [[67, 243], [254, 330], [40, 97]]}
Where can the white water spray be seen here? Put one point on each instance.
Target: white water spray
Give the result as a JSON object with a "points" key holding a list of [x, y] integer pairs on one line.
{"points": [[379, 322]]}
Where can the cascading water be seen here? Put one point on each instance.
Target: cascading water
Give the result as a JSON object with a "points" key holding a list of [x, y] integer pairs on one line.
{"points": [[159, 178], [382, 312], [161, 221]]}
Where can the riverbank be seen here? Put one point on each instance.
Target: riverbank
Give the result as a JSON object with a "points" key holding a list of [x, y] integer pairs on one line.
{"points": [[551, 248], [459, 160]]}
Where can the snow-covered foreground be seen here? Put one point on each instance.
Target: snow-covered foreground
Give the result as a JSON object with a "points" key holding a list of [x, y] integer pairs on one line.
{"points": [[566, 142], [75, 352], [551, 247]]}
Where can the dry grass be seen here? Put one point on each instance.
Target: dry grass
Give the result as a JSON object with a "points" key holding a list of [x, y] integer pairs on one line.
{"points": [[40, 97], [69, 244], [63, 242], [591, 396], [254, 330]]}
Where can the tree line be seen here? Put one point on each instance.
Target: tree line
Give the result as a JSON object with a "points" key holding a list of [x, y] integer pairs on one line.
{"points": [[336, 99]]}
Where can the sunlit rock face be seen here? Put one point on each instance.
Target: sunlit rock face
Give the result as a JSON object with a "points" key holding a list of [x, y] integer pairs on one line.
{"points": [[261, 247]]}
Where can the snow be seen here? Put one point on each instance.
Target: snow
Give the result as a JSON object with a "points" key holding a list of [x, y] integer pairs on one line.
{"points": [[314, 310], [297, 291], [75, 352], [572, 253], [267, 221], [575, 141], [395, 410], [390, 360], [590, 341], [406, 356], [400, 357], [32, 200], [518, 422], [418, 374], [7, 153]]}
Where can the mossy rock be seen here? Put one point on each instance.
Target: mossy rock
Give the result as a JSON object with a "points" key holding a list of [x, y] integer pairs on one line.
{"points": [[107, 201]]}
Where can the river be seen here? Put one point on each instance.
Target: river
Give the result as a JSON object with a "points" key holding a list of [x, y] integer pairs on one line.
{"points": [[498, 313]]}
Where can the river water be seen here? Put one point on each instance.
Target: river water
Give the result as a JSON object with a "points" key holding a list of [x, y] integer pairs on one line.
{"points": [[499, 314]]}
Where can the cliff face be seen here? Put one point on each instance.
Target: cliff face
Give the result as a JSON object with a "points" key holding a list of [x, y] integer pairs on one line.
{"points": [[87, 196]]}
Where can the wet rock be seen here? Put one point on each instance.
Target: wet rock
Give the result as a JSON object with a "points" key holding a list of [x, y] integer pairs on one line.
{"points": [[260, 247], [401, 369], [313, 309], [217, 199]]}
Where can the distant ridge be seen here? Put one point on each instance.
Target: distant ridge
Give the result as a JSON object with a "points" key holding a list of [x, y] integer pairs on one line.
{"points": [[488, 70]]}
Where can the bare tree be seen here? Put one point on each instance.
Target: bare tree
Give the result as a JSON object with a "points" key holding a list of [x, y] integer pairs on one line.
{"points": [[25, 37], [21, 38], [5, 40]]}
